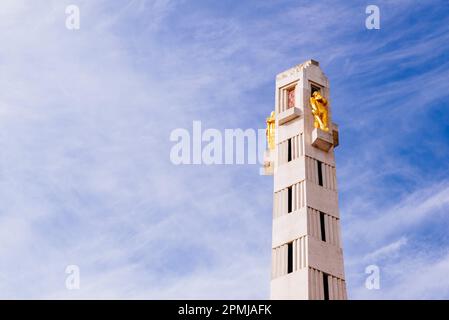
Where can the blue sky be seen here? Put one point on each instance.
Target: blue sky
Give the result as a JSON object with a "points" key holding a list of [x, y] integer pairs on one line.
{"points": [[85, 120]]}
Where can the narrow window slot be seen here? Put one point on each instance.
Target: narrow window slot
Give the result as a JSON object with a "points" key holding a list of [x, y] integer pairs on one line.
{"points": [[323, 227], [289, 200], [326, 286], [320, 172], [289, 153], [290, 258]]}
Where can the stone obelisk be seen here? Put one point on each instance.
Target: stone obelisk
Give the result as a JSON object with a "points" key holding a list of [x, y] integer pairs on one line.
{"points": [[307, 256]]}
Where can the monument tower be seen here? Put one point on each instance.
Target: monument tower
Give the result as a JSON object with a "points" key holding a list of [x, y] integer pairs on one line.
{"points": [[307, 256]]}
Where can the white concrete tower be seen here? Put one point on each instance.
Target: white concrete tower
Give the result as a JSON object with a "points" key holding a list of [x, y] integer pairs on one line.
{"points": [[307, 256]]}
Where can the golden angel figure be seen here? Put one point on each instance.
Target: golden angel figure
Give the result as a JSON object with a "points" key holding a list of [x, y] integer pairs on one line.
{"points": [[270, 130], [319, 110]]}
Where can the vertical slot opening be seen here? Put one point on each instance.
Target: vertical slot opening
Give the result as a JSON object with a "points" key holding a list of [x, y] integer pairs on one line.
{"points": [[289, 200], [289, 152], [323, 227], [290, 258], [326, 286], [320, 172]]}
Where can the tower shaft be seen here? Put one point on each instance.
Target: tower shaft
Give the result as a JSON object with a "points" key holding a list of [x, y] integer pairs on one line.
{"points": [[307, 256]]}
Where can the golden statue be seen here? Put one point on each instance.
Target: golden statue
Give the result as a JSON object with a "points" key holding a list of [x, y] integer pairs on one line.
{"points": [[319, 111], [270, 131]]}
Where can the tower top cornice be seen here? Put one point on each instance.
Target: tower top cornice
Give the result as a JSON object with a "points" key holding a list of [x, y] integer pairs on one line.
{"points": [[297, 68]]}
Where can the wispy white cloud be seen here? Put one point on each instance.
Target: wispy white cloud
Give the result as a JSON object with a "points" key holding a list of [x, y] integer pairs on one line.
{"points": [[386, 250], [409, 212], [85, 118]]}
